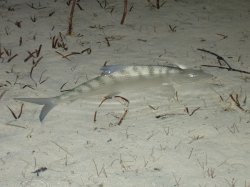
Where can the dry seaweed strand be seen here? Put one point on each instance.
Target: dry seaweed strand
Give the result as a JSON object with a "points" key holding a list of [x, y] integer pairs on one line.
{"points": [[237, 102], [191, 113], [118, 97], [221, 59], [39, 7], [40, 79], [13, 113], [87, 50], [158, 4], [38, 171], [11, 58], [70, 27], [125, 10], [33, 67]]}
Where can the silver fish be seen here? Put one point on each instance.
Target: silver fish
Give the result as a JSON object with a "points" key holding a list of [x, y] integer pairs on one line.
{"points": [[117, 78]]}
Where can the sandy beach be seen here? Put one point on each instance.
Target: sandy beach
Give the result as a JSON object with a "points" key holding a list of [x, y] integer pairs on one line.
{"points": [[187, 134]]}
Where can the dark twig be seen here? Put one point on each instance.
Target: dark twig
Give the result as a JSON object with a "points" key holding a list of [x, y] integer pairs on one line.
{"points": [[172, 28], [7, 52], [161, 116], [125, 111], [70, 27], [21, 111], [236, 101], [18, 24], [125, 10], [40, 79], [11, 58], [33, 19], [36, 8], [50, 14], [88, 50], [233, 69], [38, 50], [31, 54], [158, 4], [65, 90], [38, 171], [220, 58], [13, 113], [190, 114], [35, 63], [122, 117], [107, 40], [63, 55], [20, 41], [59, 42], [2, 94]]}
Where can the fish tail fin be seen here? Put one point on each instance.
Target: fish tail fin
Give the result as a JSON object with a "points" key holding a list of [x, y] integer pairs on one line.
{"points": [[49, 104]]}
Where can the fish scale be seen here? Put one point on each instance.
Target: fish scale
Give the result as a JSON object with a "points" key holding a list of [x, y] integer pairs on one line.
{"points": [[117, 78]]}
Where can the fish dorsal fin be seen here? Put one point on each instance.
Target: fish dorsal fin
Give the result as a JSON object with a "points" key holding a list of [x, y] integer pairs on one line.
{"points": [[108, 69]]}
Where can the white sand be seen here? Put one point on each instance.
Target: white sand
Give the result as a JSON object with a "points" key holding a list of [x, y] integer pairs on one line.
{"points": [[208, 148]]}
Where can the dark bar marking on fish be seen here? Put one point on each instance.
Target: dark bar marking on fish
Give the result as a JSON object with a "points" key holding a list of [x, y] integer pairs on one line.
{"points": [[151, 70]]}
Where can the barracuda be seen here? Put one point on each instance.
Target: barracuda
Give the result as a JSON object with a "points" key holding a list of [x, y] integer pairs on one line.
{"points": [[118, 78]]}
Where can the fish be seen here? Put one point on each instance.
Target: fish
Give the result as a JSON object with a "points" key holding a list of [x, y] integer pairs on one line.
{"points": [[115, 79]]}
